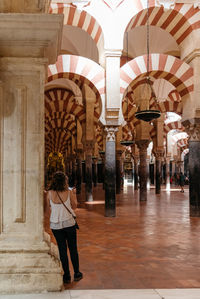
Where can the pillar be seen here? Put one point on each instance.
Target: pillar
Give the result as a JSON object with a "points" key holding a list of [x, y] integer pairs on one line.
{"points": [[118, 171], [94, 176], [136, 159], [26, 264], [88, 170], [142, 145], [193, 130], [110, 172], [167, 173], [78, 170], [158, 158]]}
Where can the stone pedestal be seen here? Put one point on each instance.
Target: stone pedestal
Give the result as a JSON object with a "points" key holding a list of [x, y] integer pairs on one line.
{"points": [[142, 145], [25, 262], [110, 172]]}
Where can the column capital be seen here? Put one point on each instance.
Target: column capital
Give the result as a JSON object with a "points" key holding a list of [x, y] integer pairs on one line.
{"points": [[111, 131], [46, 29], [89, 144], [112, 53], [142, 145], [192, 128]]}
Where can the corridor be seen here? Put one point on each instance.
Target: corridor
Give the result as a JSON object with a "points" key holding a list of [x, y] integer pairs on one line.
{"points": [[149, 245]]}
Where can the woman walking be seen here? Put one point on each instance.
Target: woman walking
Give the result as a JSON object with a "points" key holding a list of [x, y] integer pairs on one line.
{"points": [[62, 202]]}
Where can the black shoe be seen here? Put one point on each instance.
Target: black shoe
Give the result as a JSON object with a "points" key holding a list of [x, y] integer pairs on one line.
{"points": [[78, 276], [66, 279]]}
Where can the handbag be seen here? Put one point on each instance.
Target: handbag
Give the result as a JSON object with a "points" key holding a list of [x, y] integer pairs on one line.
{"points": [[76, 224]]}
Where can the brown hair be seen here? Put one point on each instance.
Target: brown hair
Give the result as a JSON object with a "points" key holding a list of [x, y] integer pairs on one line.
{"points": [[59, 182]]}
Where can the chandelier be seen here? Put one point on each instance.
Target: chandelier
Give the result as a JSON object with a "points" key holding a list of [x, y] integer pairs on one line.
{"points": [[148, 114]]}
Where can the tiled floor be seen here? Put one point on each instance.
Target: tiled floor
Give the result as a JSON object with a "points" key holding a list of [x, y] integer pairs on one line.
{"points": [[152, 245]]}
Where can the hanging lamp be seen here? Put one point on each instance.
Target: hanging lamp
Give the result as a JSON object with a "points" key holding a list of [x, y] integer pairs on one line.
{"points": [[148, 114]]}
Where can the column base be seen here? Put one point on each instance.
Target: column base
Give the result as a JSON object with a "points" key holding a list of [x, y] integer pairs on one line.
{"points": [[110, 213], [194, 211], [29, 272]]}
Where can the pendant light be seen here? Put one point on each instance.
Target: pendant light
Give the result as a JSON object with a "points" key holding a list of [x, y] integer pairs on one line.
{"points": [[148, 114]]}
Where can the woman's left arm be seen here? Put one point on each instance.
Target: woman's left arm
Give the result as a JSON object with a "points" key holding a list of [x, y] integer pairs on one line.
{"points": [[46, 201]]}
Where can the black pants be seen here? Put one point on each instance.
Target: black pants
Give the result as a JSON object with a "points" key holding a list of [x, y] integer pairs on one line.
{"points": [[67, 236]]}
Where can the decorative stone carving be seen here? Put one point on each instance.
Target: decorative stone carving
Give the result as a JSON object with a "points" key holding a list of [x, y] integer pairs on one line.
{"points": [[167, 4], [24, 6], [111, 131], [113, 4], [192, 128], [142, 145]]}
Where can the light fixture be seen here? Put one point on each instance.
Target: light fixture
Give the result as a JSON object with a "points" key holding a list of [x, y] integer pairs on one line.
{"points": [[148, 114]]}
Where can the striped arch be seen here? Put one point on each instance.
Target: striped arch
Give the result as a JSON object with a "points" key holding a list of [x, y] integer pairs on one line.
{"points": [[170, 107], [176, 125], [182, 143], [168, 67], [60, 100], [81, 70], [80, 19], [174, 96], [185, 19]]}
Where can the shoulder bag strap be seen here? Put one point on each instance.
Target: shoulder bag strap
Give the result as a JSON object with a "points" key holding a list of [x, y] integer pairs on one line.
{"points": [[65, 206]]}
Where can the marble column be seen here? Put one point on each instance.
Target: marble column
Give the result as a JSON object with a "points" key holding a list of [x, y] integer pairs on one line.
{"points": [[142, 145], [136, 173], [94, 176], [102, 155], [118, 171], [74, 170], [158, 157], [110, 172], [167, 173], [88, 170], [78, 170], [26, 262], [193, 129]]}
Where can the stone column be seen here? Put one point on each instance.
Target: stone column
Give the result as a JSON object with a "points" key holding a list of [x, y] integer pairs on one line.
{"points": [[88, 170], [167, 173], [142, 145], [193, 129], [78, 170], [158, 157], [95, 160], [110, 172], [102, 155], [26, 264], [136, 159], [118, 171]]}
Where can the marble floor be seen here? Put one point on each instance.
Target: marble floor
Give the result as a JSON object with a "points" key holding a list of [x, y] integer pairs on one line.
{"points": [[113, 294], [149, 250]]}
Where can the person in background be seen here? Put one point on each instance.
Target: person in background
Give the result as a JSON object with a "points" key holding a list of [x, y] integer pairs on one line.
{"points": [[62, 223], [181, 181]]}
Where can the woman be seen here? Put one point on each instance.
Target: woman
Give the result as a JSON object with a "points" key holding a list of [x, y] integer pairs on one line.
{"points": [[62, 223]]}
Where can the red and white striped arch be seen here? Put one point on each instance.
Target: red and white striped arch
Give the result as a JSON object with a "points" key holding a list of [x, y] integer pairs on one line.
{"points": [[176, 125], [60, 100], [185, 19], [80, 70], [168, 67], [174, 96], [80, 19]]}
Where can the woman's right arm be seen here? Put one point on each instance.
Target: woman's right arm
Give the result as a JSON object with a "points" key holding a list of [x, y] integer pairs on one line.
{"points": [[73, 199]]}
